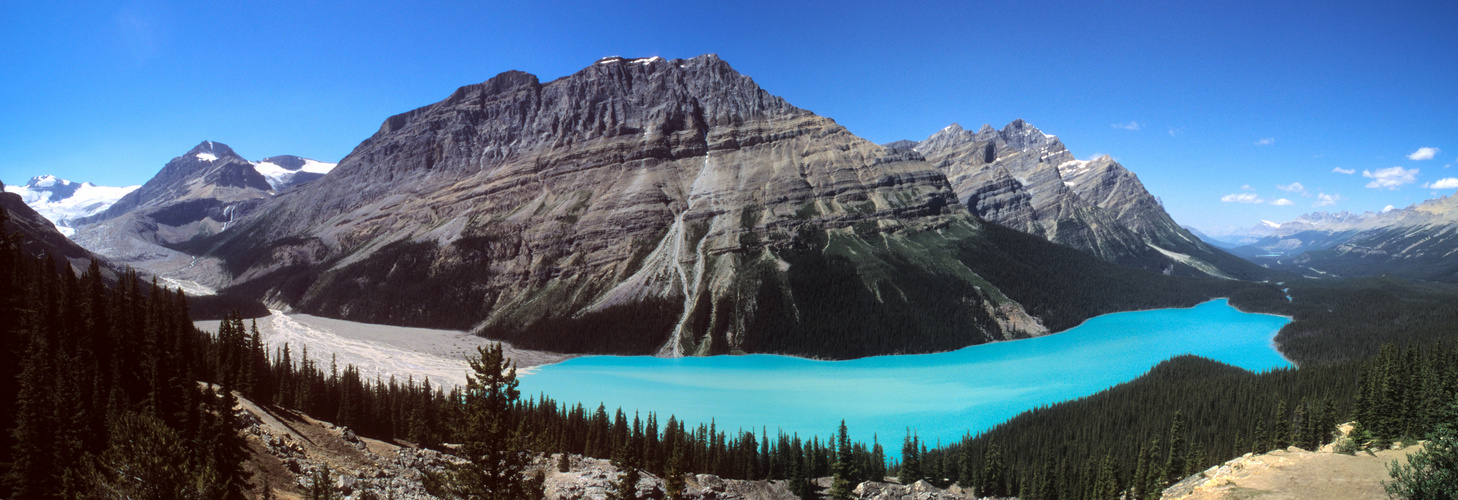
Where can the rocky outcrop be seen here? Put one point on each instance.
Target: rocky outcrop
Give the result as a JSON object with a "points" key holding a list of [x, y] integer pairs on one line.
{"points": [[38, 236], [1027, 180], [920, 490], [286, 449]]}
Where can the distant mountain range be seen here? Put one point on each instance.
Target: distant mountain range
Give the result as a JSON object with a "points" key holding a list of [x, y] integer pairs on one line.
{"points": [[1419, 242], [62, 201], [672, 207], [196, 194]]}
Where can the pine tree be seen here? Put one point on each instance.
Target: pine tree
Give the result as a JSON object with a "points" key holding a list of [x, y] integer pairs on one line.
{"points": [[321, 485], [994, 473], [673, 481], [841, 486], [1174, 465], [910, 460], [626, 488], [1431, 473], [494, 454], [1281, 438]]}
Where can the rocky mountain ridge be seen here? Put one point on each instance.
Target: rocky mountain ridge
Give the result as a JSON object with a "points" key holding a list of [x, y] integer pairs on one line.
{"points": [[62, 201], [196, 194], [1415, 242], [36, 235], [1027, 180], [659, 206]]}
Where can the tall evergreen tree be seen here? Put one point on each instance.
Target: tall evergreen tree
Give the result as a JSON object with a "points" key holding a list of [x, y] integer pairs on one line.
{"points": [[841, 486], [494, 454], [1174, 465]]}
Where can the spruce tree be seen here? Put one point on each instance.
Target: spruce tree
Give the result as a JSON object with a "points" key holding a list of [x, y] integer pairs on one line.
{"points": [[673, 482], [910, 470], [994, 473], [841, 486], [1281, 437], [494, 454], [1174, 465]]}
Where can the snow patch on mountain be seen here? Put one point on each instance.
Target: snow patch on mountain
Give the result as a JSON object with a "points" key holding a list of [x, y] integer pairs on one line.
{"points": [[62, 201], [281, 176]]}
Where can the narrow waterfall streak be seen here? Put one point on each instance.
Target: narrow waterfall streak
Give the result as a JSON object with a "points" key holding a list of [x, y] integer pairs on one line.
{"points": [[690, 289]]}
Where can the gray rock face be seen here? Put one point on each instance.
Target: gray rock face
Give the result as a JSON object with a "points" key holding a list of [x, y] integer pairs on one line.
{"points": [[645, 184], [673, 207], [38, 236], [197, 194], [1025, 179], [209, 171], [920, 490]]}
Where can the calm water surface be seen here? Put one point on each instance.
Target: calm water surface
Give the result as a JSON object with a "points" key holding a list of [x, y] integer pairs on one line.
{"points": [[940, 396]]}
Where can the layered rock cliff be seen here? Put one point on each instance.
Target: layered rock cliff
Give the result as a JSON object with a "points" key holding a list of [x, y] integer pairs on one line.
{"points": [[1027, 180], [653, 206]]}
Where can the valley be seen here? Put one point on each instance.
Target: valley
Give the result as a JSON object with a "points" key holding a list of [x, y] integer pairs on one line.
{"points": [[940, 396], [383, 351], [668, 239]]}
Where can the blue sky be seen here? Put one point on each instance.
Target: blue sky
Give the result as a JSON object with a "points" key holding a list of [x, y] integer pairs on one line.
{"points": [[1203, 102]]}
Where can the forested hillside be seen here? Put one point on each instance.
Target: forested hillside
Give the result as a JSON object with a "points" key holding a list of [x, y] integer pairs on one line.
{"points": [[1188, 414], [104, 399]]}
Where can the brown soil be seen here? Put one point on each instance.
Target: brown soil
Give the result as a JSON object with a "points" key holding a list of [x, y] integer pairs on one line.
{"points": [[1294, 474]]}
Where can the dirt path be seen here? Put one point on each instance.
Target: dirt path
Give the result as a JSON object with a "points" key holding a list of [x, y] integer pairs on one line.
{"points": [[1294, 474]]}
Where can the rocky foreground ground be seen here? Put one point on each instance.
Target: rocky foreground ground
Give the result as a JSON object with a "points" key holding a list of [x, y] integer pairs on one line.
{"points": [[288, 448], [1295, 474]]}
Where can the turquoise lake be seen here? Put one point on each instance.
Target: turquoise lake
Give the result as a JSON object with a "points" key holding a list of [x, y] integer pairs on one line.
{"points": [[940, 396]]}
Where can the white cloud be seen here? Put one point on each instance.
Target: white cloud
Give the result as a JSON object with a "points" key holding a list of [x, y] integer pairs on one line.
{"points": [[1388, 208], [1126, 126], [1326, 200], [1423, 154], [1390, 177], [1266, 142], [1242, 198], [1246, 187], [1281, 202], [1294, 187], [1340, 170], [1173, 132], [1444, 183]]}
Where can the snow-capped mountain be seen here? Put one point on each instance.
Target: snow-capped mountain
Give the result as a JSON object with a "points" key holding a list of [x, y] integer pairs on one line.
{"points": [[196, 194], [1025, 179], [62, 201], [1418, 241], [286, 171]]}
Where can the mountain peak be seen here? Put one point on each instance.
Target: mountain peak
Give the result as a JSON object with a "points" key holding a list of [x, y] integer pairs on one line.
{"points": [[46, 181], [211, 151], [1023, 136]]}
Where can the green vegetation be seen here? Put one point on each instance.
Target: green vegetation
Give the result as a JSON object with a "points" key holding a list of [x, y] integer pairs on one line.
{"points": [[494, 452], [1188, 414], [100, 396], [1431, 473], [1346, 319], [844, 290]]}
